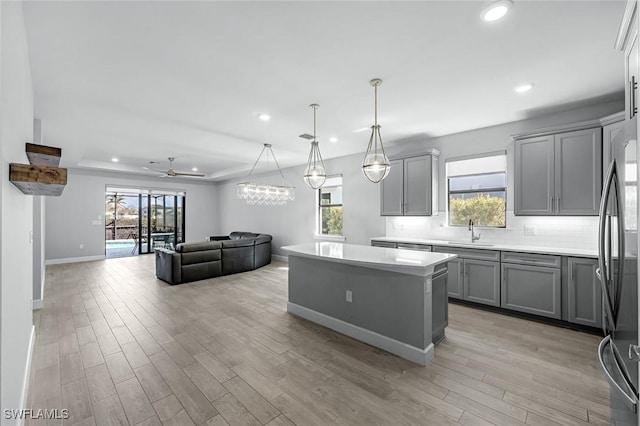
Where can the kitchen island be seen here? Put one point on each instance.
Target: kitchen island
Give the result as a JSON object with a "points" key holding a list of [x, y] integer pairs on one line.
{"points": [[392, 299]]}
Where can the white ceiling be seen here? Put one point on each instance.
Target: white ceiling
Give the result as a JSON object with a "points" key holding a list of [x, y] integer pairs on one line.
{"points": [[148, 80]]}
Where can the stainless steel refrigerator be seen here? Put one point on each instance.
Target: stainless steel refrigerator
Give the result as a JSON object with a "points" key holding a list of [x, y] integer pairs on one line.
{"points": [[617, 271]]}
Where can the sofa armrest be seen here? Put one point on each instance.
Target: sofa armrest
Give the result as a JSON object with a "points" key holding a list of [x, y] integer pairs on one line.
{"points": [[168, 266], [219, 238]]}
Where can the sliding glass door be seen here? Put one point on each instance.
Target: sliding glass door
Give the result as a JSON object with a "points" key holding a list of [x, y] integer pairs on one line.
{"points": [[138, 221]]}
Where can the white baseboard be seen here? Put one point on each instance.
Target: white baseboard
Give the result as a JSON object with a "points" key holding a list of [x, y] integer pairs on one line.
{"points": [[74, 259], [27, 373], [280, 258], [403, 350], [37, 304]]}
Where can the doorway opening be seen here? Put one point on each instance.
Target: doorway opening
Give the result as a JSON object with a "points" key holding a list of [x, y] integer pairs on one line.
{"points": [[138, 221]]}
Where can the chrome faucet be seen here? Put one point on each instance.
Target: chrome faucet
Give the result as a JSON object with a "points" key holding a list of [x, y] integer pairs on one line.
{"points": [[474, 237]]}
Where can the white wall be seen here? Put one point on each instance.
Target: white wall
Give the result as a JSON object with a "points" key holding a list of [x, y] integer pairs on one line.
{"points": [[16, 213], [69, 217], [38, 250], [570, 232], [295, 223]]}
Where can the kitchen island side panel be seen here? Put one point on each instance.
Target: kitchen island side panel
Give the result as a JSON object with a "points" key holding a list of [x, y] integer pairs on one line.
{"points": [[388, 303]]}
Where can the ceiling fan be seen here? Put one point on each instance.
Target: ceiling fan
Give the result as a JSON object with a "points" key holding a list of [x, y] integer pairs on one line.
{"points": [[171, 172]]}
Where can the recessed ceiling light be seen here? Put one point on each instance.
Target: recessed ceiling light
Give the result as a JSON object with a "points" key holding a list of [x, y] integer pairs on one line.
{"points": [[496, 10], [115, 159], [523, 88], [194, 169], [264, 117], [333, 139]]}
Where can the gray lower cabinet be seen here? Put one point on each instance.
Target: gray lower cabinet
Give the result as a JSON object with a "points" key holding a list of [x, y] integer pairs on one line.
{"points": [[482, 282], [584, 295], [474, 275], [418, 247], [454, 278], [387, 244], [532, 289]]}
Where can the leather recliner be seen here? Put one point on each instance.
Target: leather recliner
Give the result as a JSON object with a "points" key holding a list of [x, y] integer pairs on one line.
{"points": [[221, 255]]}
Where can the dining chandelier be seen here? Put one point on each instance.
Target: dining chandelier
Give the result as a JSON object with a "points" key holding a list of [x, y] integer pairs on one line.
{"points": [[376, 164], [315, 174], [266, 194]]}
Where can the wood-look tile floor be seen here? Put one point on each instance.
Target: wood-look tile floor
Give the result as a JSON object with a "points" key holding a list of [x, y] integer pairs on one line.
{"points": [[115, 346]]}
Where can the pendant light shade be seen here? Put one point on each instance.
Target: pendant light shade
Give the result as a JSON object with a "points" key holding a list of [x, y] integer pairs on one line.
{"points": [[315, 174], [376, 165], [263, 193]]}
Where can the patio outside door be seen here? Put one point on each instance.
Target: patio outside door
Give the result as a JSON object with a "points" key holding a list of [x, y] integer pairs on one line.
{"points": [[140, 220]]}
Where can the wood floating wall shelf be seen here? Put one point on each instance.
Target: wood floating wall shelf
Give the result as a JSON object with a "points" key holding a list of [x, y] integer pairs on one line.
{"points": [[42, 176]]}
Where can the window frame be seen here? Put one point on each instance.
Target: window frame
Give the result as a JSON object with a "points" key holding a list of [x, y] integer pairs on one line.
{"points": [[320, 206], [482, 190]]}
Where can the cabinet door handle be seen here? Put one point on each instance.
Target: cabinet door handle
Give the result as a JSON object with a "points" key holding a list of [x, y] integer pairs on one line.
{"points": [[571, 274], [634, 86], [552, 209], [558, 204]]}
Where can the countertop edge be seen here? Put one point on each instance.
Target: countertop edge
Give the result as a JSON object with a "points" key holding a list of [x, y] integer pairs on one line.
{"points": [[497, 247], [424, 270]]}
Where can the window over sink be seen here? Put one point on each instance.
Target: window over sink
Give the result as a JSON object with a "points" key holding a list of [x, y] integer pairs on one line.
{"points": [[477, 190]]}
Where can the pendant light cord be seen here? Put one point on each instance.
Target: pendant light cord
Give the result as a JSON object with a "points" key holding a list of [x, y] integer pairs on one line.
{"points": [[375, 103], [274, 159]]}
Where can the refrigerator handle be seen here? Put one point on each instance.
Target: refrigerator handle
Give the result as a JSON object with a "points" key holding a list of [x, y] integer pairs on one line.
{"points": [[621, 249], [631, 399], [602, 263]]}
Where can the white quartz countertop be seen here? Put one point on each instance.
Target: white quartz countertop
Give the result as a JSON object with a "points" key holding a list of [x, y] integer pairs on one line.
{"points": [[390, 259], [560, 251]]}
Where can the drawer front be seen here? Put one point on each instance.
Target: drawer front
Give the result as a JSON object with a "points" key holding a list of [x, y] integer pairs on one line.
{"points": [[387, 244], [533, 259], [419, 247], [532, 289], [464, 253]]}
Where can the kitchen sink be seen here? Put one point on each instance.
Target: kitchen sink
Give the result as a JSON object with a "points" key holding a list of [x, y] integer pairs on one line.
{"points": [[465, 244]]}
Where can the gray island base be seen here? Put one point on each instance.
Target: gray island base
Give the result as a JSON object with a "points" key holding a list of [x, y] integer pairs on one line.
{"points": [[392, 299]]}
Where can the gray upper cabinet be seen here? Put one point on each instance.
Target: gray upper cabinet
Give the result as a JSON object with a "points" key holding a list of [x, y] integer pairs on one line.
{"points": [[391, 190], [559, 174], [578, 161], [534, 176], [609, 132], [584, 294], [410, 189], [417, 186]]}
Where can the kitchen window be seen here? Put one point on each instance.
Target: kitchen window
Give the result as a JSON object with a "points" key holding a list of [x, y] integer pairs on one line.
{"points": [[477, 190], [329, 207]]}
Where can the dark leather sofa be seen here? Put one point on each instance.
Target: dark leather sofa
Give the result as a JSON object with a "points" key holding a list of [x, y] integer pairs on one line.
{"points": [[221, 255]]}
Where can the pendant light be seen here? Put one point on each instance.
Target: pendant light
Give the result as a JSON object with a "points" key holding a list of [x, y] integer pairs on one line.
{"points": [[263, 193], [376, 164], [315, 174]]}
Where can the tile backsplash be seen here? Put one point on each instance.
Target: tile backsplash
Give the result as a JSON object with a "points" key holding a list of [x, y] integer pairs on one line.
{"points": [[546, 231]]}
